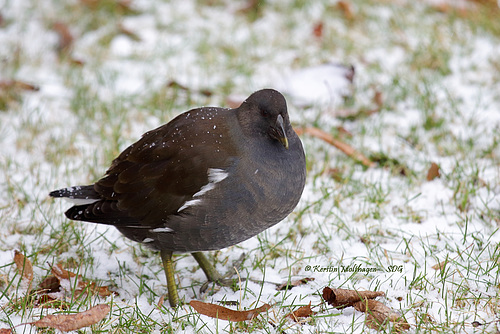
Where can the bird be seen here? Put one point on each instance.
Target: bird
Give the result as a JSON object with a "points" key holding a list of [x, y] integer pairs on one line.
{"points": [[210, 178]]}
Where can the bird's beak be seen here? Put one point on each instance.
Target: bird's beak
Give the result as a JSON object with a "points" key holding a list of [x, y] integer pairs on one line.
{"points": [[280, 129]]}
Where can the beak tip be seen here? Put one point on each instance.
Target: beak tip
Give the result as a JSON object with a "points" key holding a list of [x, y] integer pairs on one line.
{"points": [[281, 131], [284, 141]]}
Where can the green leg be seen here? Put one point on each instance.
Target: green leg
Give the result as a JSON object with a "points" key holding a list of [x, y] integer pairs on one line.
{"points": [[212, 274], [207, 267], [173, 297]]}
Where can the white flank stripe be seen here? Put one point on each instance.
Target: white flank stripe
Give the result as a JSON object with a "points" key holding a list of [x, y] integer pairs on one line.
{"points": [[207, 187], [161, 230], [189, 203], [215, 175], [148, 240]]}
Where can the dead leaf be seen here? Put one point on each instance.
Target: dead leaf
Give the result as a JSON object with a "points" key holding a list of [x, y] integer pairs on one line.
{"points": [[293, 284], [433, 172], [160, 302], [378, 99], [336, 174], [81, 286], [50, 284], [5, 331], [440, 265], [343, 132], [71, 322], [252, 9], [301, 312], [224, 313], [318, 30], [347, 149], [24, 267], [66, 39], [102, 291], [448, 8], [17, 85], [65, 276], [377, 315], [346, 9], [61, 273], [341, 298]]}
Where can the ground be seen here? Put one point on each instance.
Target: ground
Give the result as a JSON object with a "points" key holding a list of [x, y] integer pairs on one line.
{"points": [[408, 84]]}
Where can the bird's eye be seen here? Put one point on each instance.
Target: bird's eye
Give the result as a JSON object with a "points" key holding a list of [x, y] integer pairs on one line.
{"points": [[264, 113]]}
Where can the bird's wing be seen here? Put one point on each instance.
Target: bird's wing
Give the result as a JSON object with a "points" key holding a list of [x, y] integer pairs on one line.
{"points": [[155, 177]]}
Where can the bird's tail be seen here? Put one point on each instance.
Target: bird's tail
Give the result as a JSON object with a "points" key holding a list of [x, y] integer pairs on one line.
{"points": [[78, 195]]}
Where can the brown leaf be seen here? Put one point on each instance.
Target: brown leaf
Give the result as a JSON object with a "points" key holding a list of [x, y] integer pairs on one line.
{"points": [[340, 298], [81, 286], [343, 132], [224, 313], [160, 302], [378, 315], [252, 8], [65, 38], [346, 9], [448, 8], [293, 284], [61, 273], [5, 331], [17, 85], [347, 149], [50, 284], [71, 322], [93, 289], [335, 173], [301, 312], [378, 100], [440, 265], [433, 172], [318, 30], [24, 267]]}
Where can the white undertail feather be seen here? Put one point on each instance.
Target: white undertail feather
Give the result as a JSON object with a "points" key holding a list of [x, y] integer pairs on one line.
{"points": [[81, 201]]}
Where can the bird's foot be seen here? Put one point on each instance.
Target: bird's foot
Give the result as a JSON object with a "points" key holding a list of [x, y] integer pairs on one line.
{"points": [[213, 276]]}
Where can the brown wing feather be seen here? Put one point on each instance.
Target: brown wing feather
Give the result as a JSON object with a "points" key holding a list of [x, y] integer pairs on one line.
{"points": [[154, 177]]}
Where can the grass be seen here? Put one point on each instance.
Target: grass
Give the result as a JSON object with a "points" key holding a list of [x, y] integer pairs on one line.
{"points": [[435, 71]]}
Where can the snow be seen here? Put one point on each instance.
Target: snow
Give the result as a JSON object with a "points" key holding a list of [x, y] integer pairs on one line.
{"points": [[323, 84], [375, 220]]}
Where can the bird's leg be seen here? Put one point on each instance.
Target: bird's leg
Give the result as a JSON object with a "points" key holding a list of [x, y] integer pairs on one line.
{"points": [[207, 267], [173, 296], [212, 274]]}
